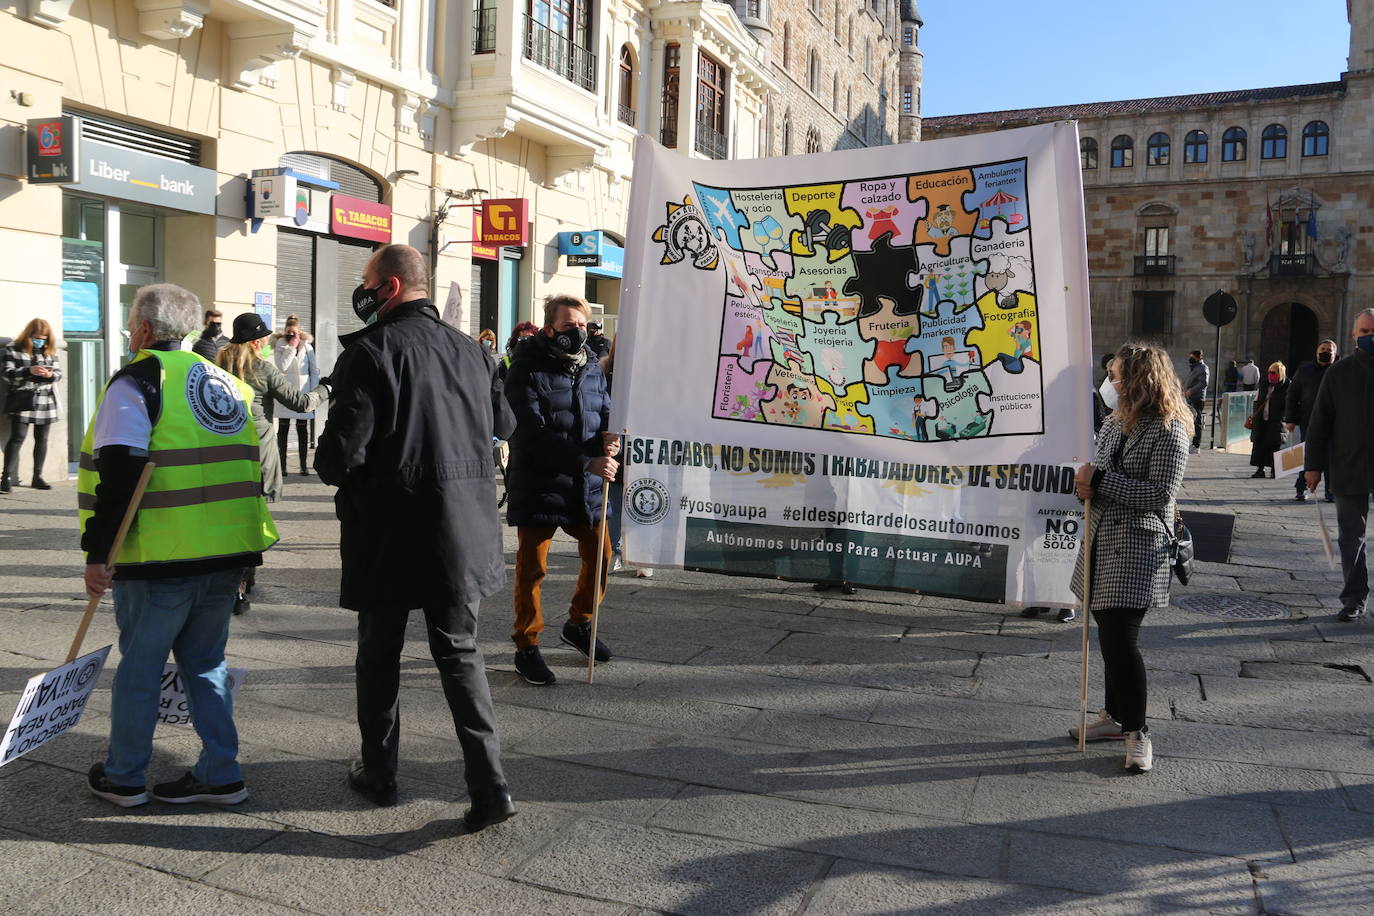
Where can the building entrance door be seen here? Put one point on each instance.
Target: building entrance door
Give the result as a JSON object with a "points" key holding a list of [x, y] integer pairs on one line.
{"points": [[1289, 334]]}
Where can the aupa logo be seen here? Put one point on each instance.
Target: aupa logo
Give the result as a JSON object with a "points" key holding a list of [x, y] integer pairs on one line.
{"points": [[646, 501], [214, 400]]}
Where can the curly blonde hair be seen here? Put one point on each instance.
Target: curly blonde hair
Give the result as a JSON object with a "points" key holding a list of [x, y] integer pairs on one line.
{"points": [[1149, 388], [241, 360]]}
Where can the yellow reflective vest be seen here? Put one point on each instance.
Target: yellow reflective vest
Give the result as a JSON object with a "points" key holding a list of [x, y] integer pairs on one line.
{"points": [[204, 499]]}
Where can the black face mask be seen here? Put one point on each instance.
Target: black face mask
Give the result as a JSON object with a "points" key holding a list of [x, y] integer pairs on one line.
{"points": [[1191, 361], [1323, 357], [366, 302], [571, 340], [212, 330]]}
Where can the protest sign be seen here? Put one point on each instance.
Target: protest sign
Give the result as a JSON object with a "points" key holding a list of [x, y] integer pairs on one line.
{"points": [[880, 370], [173, 707], [1288, 461], [51, 704]]}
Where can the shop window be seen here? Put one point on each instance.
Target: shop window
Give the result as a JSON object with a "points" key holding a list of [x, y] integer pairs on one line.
{"points": [[1195, 147], [1316, 137], [1274, 142], [1123, 152], [1233, 144]]}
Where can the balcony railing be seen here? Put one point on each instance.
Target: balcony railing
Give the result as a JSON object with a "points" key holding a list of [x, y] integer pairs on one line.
{"points": [[1292, 265], [1151, 265], [558, 53], [484, 30], [711, 142], [626, 114]]}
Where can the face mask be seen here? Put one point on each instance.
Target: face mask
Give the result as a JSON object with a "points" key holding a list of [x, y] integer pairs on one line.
{"points": [[212, 330], [1108, 392], [38, 342], [366, 303], [1366, 343], [1191, 361], [1273, 378], [1324, 357], [571, 340]]}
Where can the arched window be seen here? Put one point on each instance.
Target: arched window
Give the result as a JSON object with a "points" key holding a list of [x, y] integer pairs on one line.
{"points": [[787, 134], [868, 56], [1087, 153], [1157, 149], [1274, 142], [851, 35], [627, 85], [1315, 138], [835, 92], [813, 141], [1123, 152], [786, 46], [1233, 145], [813, 71], [839, 17], [1195, 146]]}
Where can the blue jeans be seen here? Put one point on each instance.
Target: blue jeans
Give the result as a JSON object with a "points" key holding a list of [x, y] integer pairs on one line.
{"points": [[189, 617]]}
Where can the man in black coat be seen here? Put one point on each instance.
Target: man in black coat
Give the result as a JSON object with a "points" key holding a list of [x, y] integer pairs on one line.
{"points": [[1302, 394], [212, 338], [408, 443], [1338, 442], [597, 341], [560, 454]]}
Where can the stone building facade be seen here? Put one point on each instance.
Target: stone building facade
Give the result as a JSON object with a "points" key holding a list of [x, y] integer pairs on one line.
{"points": [[1267, 194]]}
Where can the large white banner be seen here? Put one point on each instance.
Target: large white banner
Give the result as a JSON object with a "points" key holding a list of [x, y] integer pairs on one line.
{"points": [[871, 366]]}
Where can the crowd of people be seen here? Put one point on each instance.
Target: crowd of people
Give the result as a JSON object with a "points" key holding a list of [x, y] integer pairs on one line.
{"points": [[414, 408]]}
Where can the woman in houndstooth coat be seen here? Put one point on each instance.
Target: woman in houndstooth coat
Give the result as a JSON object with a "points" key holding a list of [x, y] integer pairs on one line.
{"points": [[33, 371], [1142, 452]]}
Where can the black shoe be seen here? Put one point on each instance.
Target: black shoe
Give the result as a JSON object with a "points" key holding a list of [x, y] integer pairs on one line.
{"points": [[241, 605], [383, 795], [1068, 615], [1034, 611], [1301, 496], [123, 796], [579, 636], [530, 663], [1350, 613], [5, 485], [1330, 497], [1259, 472], [188, 789], [40, 484], [489, 808]]}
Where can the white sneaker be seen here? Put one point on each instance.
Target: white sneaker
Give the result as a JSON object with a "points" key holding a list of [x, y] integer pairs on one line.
{"points": [[1103, 728], [1140, 756], [644, 573], [617, 562]]}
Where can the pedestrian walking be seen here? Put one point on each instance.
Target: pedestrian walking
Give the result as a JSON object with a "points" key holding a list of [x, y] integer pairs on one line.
{"points": [[1249, 375], [1142, 453], [294, 356], [1338, 445], [408, 444], [1302, 394], [1231, 381], [1266, 422], [561, 452], [1195, 392], [32, 370], [179, 564], [211, 339]]}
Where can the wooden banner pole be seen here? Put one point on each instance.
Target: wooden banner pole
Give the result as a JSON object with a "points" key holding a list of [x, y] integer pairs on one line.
{"points": [[600, 561], [123, 531], [1087, 614]]}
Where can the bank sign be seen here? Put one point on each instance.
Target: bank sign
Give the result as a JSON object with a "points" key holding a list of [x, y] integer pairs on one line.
{"points": [[51, 151], [130, 175]]}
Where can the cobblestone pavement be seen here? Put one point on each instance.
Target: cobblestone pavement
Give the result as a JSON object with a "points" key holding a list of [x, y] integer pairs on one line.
{"points": [[755, 747]]}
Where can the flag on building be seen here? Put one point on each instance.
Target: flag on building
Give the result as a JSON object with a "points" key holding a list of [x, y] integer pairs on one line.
{"points": [[1312, 219], [1268, 222]]}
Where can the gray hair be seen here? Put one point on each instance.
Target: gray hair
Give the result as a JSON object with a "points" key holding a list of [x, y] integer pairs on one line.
{"points": [[1362, 313], [172, 311]]}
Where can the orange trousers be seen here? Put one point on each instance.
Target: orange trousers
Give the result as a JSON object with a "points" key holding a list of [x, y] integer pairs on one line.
{"points": [[532, 565]]}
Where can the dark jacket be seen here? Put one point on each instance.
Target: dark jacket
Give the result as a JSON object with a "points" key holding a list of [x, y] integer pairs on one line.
{"points": [[1338, 433], [1302, 392], [408, 443], [559, 418], [209, 347], [269, 386], [1266, 436]]}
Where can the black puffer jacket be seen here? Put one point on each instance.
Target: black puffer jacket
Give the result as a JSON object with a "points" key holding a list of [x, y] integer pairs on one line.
{"points": [[559, 418], [1302, 393]]}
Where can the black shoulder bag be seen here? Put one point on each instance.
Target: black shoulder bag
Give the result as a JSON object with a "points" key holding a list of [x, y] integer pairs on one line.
{"points": [[1180, 547]]}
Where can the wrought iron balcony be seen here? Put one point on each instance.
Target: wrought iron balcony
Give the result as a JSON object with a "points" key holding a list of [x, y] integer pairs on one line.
{"points": [[711, 142], [626, 114], [557, 52], [484, 30], [1292, 265], [1152, 265]]}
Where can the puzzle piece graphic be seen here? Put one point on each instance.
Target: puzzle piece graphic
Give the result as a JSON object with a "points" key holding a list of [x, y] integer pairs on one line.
{"points": [[943, 337], [1004, 336], [799, 400], [946, 217], [891, 406], [1005, 260], [885, 272], [949, 279], [846, 417], [826, 222], [770, 225], [999, 193], [740, 282], [740, 392], [959, 413], [840, 350], [883, 204], [773, 273], [1016, 399], [817, 286], [890, 333], [721, 215], [745, 333]]}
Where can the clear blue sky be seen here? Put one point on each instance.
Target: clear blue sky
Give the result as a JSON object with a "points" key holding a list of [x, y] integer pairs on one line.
{"points": [[988, 55]]}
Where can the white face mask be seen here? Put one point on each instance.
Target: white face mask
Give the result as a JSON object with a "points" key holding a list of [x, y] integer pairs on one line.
{"points": [[1108, 392]]}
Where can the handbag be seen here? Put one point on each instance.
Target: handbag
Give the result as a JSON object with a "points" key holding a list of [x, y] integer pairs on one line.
{"points": [[1180, 548], [1249, 422], [21, 399]]}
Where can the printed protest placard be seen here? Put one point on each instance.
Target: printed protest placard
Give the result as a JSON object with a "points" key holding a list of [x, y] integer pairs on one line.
{"points": [[1288, 461], [871, 366], [51, 704], [173, 707]]}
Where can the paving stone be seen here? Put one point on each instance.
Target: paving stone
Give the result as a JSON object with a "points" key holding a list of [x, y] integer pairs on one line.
{"points": [[1304, 706], [858, 888], [1300, 671], [115, 889], [1306, 888], [657, 706], [494, 851], [1330, 838], [883, 781], [586, 790], [673, 872]]}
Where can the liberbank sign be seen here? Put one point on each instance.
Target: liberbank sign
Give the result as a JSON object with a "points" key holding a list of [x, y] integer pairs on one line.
{"points": [[130, 175]]}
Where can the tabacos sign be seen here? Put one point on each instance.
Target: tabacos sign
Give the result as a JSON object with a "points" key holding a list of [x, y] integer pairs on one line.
{"points": [[51, 151], [505, 222], [360, 219]]}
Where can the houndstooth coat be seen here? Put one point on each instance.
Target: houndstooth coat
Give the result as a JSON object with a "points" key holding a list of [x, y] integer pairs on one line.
{"points": [[1141, 477], [46, 408]]}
